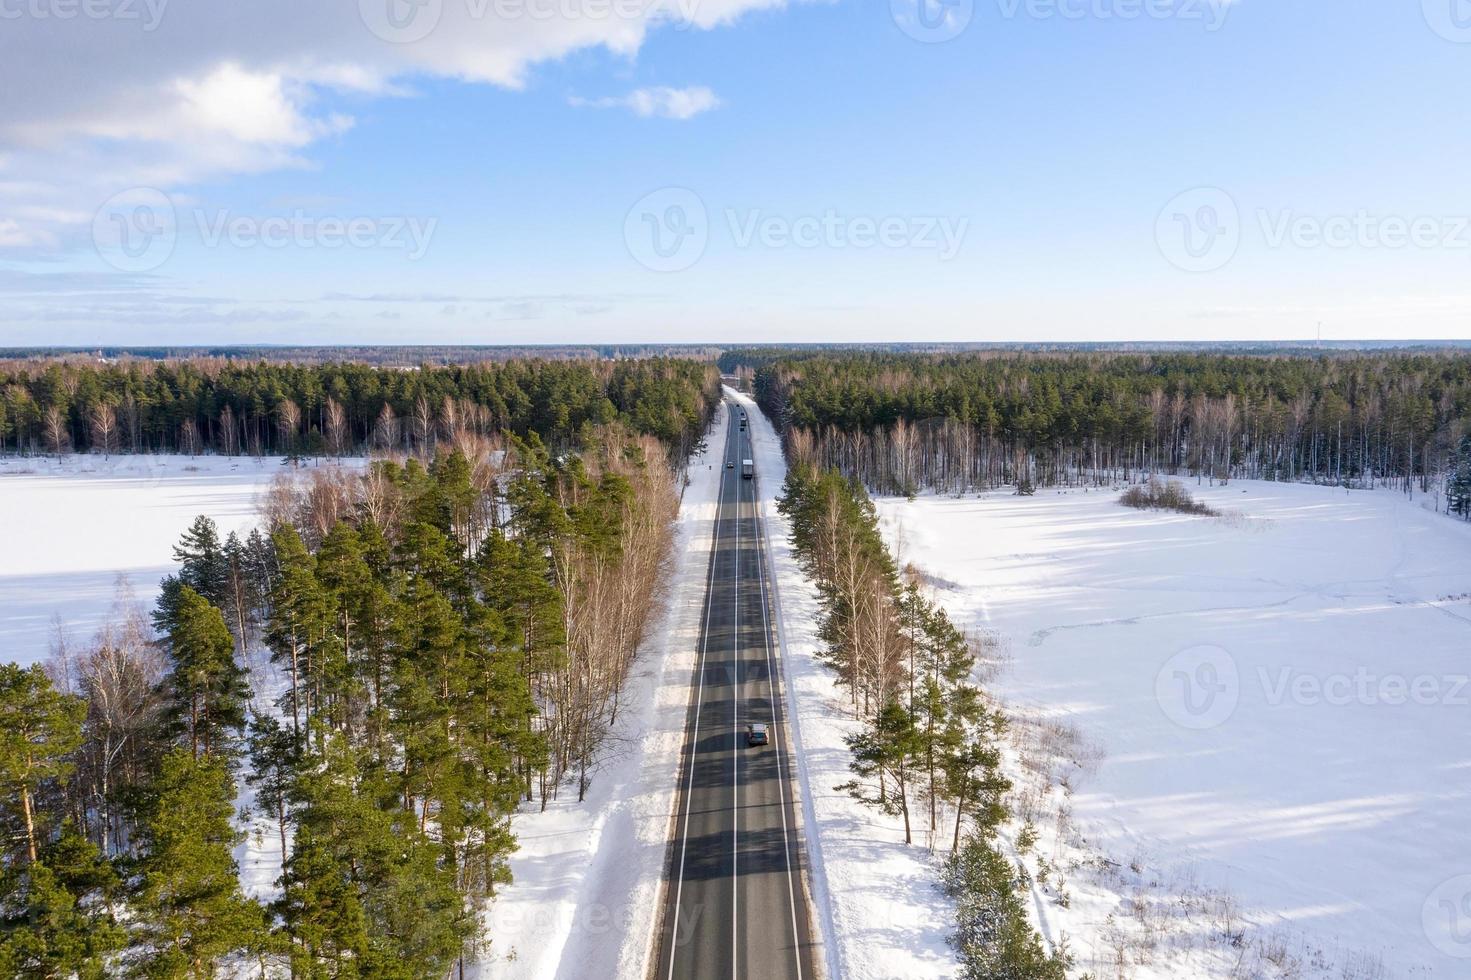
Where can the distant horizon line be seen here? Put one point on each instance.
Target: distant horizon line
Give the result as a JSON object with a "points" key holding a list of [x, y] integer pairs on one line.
{"points": [[1337, 343]]}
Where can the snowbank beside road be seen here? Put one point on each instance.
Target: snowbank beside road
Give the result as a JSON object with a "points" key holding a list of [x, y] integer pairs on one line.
{"points": [[880, 908], [586, 897]]}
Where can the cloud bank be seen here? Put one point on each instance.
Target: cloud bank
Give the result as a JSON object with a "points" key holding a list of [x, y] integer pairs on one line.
{"points": [[112, 94]]}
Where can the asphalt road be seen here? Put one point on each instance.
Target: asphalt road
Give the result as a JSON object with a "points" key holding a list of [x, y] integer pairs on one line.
{"points": [[735, 905]]}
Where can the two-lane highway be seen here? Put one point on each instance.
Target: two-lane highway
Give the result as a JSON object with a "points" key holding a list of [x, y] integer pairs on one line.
{"points": [[735, 904]]}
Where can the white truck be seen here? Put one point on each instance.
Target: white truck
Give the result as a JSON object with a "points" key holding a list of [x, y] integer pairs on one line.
{"points": [[748, 469]]}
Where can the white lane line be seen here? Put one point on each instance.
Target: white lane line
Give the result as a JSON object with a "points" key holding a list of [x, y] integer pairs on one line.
{"points": [[781, 776], [735, 800], [699, 701]]}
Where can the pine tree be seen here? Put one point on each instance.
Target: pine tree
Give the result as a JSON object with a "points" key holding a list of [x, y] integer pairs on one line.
{"points": [[321, 906], [886, 750], [273, 760], [40, 728], [207, 689], [323, 915], [971, 762], [351, 598], [515, 578], [940, 668], [1458, 484], [367, 893], [995, 938], [204, 565], [297, 632], [241, 599], [54, 920], [190, 913], [165, 614]]}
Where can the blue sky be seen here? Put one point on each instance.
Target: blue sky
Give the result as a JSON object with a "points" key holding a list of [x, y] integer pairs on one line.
{"points": [[1061, 169]]}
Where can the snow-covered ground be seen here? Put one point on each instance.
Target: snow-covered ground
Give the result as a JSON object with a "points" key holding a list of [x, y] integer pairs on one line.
{"points": [[1255, 724], [588, 876], [879, 907], [72, 525]]}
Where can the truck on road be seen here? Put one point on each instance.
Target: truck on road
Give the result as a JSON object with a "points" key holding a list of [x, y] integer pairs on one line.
{"points": [[748, 469]]}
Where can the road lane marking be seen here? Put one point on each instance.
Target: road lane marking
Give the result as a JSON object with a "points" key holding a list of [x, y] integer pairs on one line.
{"points": [[735, 776], [776, 728], [699, 702]]}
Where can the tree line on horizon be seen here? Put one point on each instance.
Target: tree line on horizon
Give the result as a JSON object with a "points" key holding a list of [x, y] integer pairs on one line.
{"points": [[402, 658], [956, 423], [214, 405]]}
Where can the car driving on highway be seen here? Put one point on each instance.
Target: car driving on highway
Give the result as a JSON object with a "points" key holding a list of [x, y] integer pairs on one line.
{"points": [[756, 734]]}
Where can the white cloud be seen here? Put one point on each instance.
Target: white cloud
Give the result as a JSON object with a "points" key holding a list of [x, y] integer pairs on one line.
{"points": [[160, 93], [12, 235], [665, 103]]}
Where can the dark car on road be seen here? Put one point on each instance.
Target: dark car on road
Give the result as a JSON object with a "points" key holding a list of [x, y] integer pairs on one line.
{"points": [[756, 735]]}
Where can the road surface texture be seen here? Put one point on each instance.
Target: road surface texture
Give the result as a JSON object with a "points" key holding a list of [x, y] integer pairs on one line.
{"points": [[735, 904]]}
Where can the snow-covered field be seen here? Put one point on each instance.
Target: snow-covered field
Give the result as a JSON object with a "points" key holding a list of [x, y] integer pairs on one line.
{"points": [[73, 525], [1270, 709], [879, 908]]}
